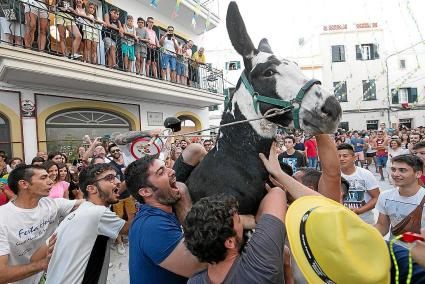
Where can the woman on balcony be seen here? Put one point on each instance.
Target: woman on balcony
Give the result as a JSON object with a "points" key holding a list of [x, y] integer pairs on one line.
{"points": [[65, 20], [92, 39], [36, 10]]}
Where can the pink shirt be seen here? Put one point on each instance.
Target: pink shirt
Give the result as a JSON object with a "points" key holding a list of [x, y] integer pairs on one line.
{"points": [[151, 36], [58, 190]]}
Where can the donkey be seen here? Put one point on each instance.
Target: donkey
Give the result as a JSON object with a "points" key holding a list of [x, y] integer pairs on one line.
{"points": [[233, 166]]}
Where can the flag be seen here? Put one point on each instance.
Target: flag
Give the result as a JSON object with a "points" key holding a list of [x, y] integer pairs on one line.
{"points": [[194, 20], [176, 10], [154, 3]]}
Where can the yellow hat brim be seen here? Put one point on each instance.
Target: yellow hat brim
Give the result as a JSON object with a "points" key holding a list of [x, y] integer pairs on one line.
{"points": [[292, 222]]}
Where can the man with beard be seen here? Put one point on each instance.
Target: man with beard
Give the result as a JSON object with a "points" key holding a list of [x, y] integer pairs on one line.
{"points": [[27, 222], [84, 236], [157, 250], [126, 205]]}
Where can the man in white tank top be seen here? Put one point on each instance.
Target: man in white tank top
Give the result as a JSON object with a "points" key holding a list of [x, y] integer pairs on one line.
{"points": [[170, 44]]}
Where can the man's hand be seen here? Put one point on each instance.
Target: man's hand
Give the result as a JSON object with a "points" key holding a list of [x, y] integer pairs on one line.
{"points": [[418, 251], [43, 255], [356, 210], [272, 163], [97, 141]]}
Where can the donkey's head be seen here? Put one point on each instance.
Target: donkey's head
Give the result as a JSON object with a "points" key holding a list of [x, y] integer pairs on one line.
{"points": [[272, 83]]}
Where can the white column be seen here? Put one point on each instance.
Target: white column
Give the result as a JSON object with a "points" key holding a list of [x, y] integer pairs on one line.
{"points": [[29, 129]]}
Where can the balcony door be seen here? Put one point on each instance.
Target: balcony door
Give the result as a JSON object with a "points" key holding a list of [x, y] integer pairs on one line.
{"points": [[5, 139]]}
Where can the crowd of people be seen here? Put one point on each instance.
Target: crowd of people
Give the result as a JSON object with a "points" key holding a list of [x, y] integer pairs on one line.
{"points": [[131, 45], [57, 213]]}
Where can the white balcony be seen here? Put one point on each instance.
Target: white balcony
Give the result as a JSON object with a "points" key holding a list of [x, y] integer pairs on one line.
{"points": [[27, 68]]}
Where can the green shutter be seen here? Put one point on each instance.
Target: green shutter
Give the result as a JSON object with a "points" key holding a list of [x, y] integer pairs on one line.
{"points": [[412, 95]]}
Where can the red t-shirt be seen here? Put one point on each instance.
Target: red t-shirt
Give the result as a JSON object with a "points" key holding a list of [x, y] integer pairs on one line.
{"points": [[3, 198], [311, 146], [422, 178]]}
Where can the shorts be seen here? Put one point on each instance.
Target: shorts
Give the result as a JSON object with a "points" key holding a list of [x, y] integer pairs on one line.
{"points": [[109, 42], [181, 69], [141, 49], [128, 50], [359, 155], [152, 54], [12, 27], [91, 35], [126, 205], [65, 19], [381, 161], [36, 8], [168, 58], [182, 169]]}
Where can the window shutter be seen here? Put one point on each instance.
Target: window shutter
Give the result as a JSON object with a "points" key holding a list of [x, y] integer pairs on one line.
{"points": [[358, 52], [374, 52], [335, 54], [412, 95], [238, 65], [394, 96], [226, 66], [342, 52]]}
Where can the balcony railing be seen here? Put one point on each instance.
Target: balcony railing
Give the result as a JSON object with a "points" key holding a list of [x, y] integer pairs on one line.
{"points": [[63, 31]]}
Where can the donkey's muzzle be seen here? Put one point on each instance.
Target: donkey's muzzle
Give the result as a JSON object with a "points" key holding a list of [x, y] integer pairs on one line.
{"points": [[331, 108]]}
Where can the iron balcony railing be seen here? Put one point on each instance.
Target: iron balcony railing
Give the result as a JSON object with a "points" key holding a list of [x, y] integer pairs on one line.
{"points": [[67, 31]]}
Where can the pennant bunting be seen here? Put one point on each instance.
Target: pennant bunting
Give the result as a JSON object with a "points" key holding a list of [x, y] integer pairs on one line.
{"points": [[194, 20], [154, 3]]}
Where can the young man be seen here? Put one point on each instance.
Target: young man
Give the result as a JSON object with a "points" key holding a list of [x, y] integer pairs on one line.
{"points": [[291, 156], [84, 236], [380, 144], [127, 45], [364, 191], [157, 250], [140, 46], [358, 144], [126, 204], [27, 222], [419, 151], [152, 52], [214, 233], [414, 138], [310, 145], [169, 42], [111, 32], [208, 145], [396, 204]]}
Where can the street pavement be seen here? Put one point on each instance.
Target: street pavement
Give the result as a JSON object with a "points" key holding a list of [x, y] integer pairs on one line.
{"points": [[118, 270]]}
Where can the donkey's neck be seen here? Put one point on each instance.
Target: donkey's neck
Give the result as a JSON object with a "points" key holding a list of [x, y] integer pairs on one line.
{"points": [[242, 137]]}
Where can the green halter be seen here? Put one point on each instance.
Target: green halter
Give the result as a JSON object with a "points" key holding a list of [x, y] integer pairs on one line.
{"points": [[294, 104]]}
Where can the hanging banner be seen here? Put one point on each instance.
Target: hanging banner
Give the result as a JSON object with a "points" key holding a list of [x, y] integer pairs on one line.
{"points": [[154, 3]]}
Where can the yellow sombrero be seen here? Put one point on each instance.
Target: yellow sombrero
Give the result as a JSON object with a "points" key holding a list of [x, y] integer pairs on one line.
{"points": [[331, 244]]}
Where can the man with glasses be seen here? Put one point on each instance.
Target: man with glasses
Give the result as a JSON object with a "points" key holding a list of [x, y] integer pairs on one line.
{"points": [[208, 145], [169, 42], [419, 151], [126, 205], [151, 55], [84, 237]]}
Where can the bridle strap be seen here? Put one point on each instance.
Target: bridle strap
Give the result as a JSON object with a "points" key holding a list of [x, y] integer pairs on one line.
{"points": [[294, 104]]}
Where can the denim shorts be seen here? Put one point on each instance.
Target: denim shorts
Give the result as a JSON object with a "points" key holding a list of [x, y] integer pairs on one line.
{"points": [[168, 58], [181, 69], [381, 161]]}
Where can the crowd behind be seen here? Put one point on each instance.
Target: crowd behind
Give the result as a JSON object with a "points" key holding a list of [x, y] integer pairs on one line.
{"points": [[131, 45], [146, 195]]}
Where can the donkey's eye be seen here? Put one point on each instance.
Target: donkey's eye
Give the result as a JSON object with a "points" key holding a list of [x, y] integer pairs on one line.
{"points": [[269, 73]]}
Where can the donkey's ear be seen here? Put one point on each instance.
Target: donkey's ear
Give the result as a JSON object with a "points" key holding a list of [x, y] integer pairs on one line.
{"points": [[264, 46], [237, 32]]}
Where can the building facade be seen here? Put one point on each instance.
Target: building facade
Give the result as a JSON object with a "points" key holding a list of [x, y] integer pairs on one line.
{"points": [[50, 102], [372, 84]]}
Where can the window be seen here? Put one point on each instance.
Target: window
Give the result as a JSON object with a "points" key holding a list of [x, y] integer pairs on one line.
{"points": [[402, 64], [340, 91], [5, 139], [344, 125], [369, 90], [367, 51], [404, 95], [213, 108], [372, 124], [338, 53], [233, 65], [65, 130]]}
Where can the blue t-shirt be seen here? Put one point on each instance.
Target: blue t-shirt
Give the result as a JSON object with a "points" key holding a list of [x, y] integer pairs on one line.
{"points": [[153, 235], [354, 142]]}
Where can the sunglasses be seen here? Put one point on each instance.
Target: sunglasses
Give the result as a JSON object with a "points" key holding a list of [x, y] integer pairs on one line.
{"points": [[110, 178], [115, 151]]}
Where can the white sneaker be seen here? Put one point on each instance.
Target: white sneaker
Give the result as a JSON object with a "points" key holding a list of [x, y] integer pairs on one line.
{"points": [[121, 249]]}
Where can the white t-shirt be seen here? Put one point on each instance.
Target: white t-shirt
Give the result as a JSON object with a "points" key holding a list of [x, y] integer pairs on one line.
{"points": [[23, 231], [397, 207], [76, 237], [361, 181]]}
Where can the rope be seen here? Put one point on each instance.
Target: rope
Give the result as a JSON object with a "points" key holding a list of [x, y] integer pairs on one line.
{"points": [[276, 112], [397, 270]]}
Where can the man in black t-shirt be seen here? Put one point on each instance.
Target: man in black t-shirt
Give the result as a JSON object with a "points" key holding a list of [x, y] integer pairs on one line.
{"points": [[126, 205], [292, 157]]}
